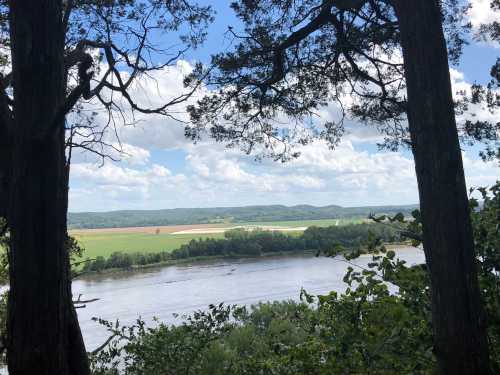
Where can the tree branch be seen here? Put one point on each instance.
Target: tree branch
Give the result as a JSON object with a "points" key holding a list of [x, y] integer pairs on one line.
{"points": [[67, 12], [83, 303], [101, 347]]}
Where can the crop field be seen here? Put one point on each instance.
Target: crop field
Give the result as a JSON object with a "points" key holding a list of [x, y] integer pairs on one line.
{"points": [[104, 242], [307, 223]]}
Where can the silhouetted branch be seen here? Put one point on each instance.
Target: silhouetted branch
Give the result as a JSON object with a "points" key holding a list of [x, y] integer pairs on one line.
{"points": [[101, 347], [80, 304]]}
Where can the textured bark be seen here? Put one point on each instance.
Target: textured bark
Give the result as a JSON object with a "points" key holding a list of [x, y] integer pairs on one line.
{"points": [[43, 333], [459, 328], [5, 153]]}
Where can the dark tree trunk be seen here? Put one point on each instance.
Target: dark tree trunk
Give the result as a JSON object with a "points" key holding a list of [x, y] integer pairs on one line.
{"points": [[5, 154], [43, 333], [459, 328]]}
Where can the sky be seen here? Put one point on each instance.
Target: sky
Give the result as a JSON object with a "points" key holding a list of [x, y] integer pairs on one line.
{"points": [[162, 169]]}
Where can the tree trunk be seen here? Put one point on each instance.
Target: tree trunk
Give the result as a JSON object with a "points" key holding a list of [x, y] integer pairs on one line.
{"points": [[43, 333], [460, 337], [5, 153]]}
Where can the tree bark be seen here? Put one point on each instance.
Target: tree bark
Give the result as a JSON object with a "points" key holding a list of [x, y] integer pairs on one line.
{"points": [[461, 345], [5, 152], [43, 333]]}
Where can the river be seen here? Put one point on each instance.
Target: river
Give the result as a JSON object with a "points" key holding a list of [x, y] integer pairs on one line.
{"points": [[181, 289]]}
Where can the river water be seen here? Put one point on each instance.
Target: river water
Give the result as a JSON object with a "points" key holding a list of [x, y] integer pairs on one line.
{"points": [[182, 289]]}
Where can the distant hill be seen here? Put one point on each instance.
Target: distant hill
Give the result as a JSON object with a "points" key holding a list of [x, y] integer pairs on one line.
{"points": [[179, 216]]}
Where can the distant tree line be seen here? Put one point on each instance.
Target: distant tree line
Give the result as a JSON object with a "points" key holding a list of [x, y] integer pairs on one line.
{"points": [[240, 242]]}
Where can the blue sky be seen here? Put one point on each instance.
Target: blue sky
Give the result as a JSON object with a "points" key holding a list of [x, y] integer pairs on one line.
{"points": [[162, 169]]}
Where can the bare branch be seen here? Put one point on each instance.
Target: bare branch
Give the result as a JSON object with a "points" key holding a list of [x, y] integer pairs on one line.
{"points": [[79, 301], [67, 12], [101, 347]]}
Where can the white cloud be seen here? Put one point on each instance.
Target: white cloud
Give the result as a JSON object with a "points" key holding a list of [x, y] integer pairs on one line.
{"points": [[481, 12], [148, 131], [134, 155], [210, 175], [479, 173], [114, 186], [116, 175], [318, 170], [475, 112], [229, 171], [213, 176]]}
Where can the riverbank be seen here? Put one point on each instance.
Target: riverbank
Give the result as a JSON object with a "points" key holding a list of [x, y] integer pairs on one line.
{"points": [[153, 239], [194, 261], [214, 258], [249, 243]]}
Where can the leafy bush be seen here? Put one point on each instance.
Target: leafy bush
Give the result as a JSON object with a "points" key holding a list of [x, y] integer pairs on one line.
{"points": [[486, 224]]}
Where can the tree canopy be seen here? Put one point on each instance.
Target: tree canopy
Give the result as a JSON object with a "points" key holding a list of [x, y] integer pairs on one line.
{"points": [[295, 58], [109, 47]]}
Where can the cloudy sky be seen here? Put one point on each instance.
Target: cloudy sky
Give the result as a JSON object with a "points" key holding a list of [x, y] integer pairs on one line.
{"points": [[162, 169]]}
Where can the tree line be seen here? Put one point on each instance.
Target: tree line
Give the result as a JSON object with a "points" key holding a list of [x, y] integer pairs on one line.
{"points": [[240, 242]]}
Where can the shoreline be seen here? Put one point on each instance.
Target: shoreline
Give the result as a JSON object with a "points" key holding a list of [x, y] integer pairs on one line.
{"points": [[187, 261], [201, 259]]}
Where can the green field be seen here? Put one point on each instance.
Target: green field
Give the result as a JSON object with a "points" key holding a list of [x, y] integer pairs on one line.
{"points": [[304, 223], [104, 244]]}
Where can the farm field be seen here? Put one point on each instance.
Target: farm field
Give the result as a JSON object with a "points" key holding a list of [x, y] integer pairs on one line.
{"points": [[104, 242], [306, 223]]}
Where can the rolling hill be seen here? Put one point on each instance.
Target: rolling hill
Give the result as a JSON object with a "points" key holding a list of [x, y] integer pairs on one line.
{"points": [[178, 216]]}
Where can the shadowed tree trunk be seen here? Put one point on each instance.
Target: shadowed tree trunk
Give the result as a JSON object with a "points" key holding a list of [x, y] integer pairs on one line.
{"points": [[44, 336], [460, 331], [4, 170], [5, 154]]}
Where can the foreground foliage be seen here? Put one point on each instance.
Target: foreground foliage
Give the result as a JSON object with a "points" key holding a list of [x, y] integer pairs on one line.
{"points": [[368, 329]]}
